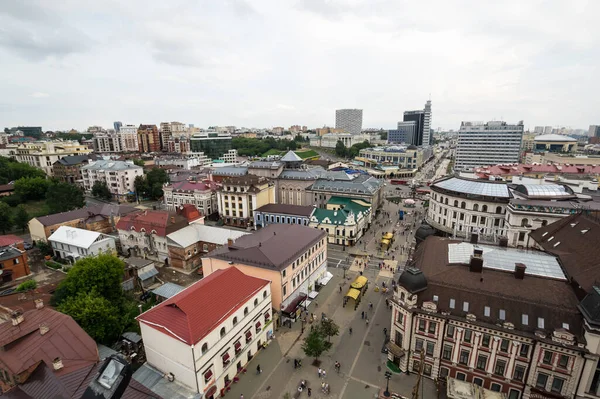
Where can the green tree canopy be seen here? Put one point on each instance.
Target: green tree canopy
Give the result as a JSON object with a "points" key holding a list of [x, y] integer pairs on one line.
{"points": [[139, 162], [62, 197], [32, 188], [314, 344], [329, 328], [11, 170], [383, 135], [21, 219], [6, 221], [340, 149], [100, 190], [257, 147]]}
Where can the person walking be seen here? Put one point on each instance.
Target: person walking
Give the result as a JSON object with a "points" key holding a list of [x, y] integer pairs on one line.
{"points": [[362, 314], [309, 392], [385, 332], [258, 369], [323, 373], [350, 330], [242, 396], [367, 321], [319, 371]]}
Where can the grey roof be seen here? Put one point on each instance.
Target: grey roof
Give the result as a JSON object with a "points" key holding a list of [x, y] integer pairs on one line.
{"points": [[474, 187], [273, 247], [302, 174], [287, 209], [138, 262], [362, 184], [265, 165], [132, 336], [230, 171], [145, 275], [110, 165], [200, 232], [105, 352], [545, 190], [291, 156], [73, 160], [167, 290], [102, 210], [155, 381], [9, 253], [553, 137], [587, 205]]}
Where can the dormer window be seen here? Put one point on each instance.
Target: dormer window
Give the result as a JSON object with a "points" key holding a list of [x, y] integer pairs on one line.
{"points": [[540, 322]]}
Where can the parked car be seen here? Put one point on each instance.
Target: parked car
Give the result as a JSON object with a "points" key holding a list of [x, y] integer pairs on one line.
{"points": [[27, 245]]}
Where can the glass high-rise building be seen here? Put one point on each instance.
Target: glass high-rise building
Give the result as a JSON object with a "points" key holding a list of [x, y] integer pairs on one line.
{"points": [[213, 145], [422, 120]]}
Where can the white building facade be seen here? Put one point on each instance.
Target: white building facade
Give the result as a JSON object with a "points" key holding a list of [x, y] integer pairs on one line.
{"points": [[42, 155], [491, 143], [71, 243], [202, 195], [129, 138], [118, 175]]}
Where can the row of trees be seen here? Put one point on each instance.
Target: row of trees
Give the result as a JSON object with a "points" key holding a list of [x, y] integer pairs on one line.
{"points": [[342, 151], [92, 295], [257, 147], [10, 217], [59, 196], [11, 170]]}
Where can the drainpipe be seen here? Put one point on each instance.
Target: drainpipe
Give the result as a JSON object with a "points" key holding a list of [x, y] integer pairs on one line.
{"points": [[195, 370]]}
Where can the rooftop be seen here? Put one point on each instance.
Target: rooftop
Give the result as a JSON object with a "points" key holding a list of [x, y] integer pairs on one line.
{"points": [[361, 184], [287, 209], [197, 310], [9, 253], [73, 236], [101, 211], [518, 169], [168, 290], [265, 165], [110, 165], [554, 137], [160, 222], [548, 191], [72, 160], [291, 156], [9, 239], [191, 185], [474, 187], [203, 233], [230, 171], [271, 247]]}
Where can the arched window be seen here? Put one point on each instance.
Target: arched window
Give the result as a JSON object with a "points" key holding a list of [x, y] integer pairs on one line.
{"points": [[484, 208], [223, 332], [204, 348], [544, 223], [456, 203], [476, 207], [235, 320], [463, 205], [498, 209], [525, 222], [446, 201], [264, 294], [256, 302], [402, 296], [245, 311]]}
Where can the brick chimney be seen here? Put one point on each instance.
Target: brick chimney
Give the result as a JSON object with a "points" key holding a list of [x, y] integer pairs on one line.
{"points": [[520, 271], [39, 303], [230, 242], [57, 364], [503, 242], [476, 262], [44, 329], [17, 318]]}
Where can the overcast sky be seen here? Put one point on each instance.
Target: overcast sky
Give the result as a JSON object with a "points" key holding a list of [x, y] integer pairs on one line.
{"points": [[72, 64]]}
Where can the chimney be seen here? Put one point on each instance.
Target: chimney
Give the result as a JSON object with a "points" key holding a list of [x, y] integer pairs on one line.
{"points": [[57, 364], [17, 318], [503, 242], [520, 271], [44, 329], [230, 242], [476, 264], [474, 238], [39, 303]]}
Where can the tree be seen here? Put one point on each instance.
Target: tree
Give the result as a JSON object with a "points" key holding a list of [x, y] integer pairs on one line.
{"points": [[100, 190], [314, 344], [11, 170], [141, 186], [32, 188], [21, 218], [329, 328], [62, 197], [383, 135], [5, 217], [26, 286], [139, 162], [44, 247], [340, 149], [98, 316]]}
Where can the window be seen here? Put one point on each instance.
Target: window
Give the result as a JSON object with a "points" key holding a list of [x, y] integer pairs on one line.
{"points": [[514, 394], [519, 373], [455, 203], [486, 311], [463, 205], [498, 209], [235, 320], [465, 306], [476, 207], [541, 381], [502, 314], [504, 345], [557, 385], [447, 352], [416, 366], [524, 350], [427, 369], [245, 311], [452, 303], [481, 362], [547, 359], [464, 357], [478, 381], [256, 302], [485, 342], [524, 319], [450, 331], [468, 335], [284, 290], [496, 387], [500, 367], [204, 348], [418, 345], [283, 274], [484, 208], [421, 325], [264, 294], [432, 326], [223, 332], [540, 322], [461, 376], [444, 372], [563, 361], [474, 219], [482, 220], [521, 236], [429, 349]]}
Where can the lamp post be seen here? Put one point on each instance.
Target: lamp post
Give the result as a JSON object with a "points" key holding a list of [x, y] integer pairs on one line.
{"points": [[388, 375]]}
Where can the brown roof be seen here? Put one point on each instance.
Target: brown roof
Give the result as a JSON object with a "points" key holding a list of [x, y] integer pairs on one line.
{"points": [[101, 210], [246, 180], [286, 209], [271, 247], [576, 241], [552, 300], [24, 346], [7, 187], [9, 239], [162, 222]]}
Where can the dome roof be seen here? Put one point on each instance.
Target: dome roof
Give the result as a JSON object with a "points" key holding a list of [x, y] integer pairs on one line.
{"points": [[412, 147], [423, 232], [413, 280]]}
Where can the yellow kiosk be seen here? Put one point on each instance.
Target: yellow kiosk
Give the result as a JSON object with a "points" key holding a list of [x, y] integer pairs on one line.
{"points": [[357, 288]]}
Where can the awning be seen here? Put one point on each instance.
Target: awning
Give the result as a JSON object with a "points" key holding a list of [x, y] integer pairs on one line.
{"points": [[211, 391], [248, 334], [353, 293], [313, 294], [394, 349], [291, 308], [225, 356], [237, 345], [148, 273], [258, 324], [208, 375], [359, 282], [325, 279]]}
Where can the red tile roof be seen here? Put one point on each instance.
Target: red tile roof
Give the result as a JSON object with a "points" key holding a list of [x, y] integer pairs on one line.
{"points": [[194, 185], [9, 239], [24, 346], [193, 313], [517, 169], [160, 221], [189, 211]]}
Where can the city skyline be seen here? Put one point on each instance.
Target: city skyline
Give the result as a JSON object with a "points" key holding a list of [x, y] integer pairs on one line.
{"points": [[72, 65]]}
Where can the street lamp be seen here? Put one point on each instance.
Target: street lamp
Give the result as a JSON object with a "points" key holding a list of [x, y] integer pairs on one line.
{"points": [[388, 375]]}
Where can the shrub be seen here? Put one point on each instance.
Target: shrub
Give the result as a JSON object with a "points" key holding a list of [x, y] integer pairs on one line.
{"points": [[26, 285]]}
